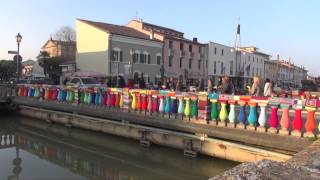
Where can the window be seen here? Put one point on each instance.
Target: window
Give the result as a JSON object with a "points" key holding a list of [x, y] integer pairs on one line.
{"points": [[190, 48], [170, 44], [116, 55], [215, 50], [215, 67], [231, 67], [158, 59], [180, 63], [252, 71], [149, 59], [190, 63], [181, 46], [135, 57], [221, 52], [221, 70], [142, 59], [170, 60], [199, 64]]}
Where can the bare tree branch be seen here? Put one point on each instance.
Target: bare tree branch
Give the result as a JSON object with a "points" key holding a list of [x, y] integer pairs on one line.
{"points": [[65, 33]]}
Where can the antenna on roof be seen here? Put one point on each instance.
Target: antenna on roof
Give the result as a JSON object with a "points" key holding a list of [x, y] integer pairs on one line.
{"points": [[137, 15]]}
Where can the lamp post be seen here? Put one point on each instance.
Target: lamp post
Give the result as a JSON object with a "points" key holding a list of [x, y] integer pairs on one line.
{"points": [[18, 39]]}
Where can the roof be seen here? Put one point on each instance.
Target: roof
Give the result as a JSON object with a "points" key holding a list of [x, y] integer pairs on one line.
{"points": [[183, 39], [66, 43], [160, 27], [117, 29]]}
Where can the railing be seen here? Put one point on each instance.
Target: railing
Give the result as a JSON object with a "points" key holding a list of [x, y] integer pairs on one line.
{"points": [[6, 91], [7, 140], [246, 112]]}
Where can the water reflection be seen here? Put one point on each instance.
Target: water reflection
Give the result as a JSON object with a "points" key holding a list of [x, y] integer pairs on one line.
{"points": [[55, 151]]}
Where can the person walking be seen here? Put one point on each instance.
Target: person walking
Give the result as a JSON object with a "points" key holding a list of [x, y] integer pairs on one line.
{"points": [[267, 88]]}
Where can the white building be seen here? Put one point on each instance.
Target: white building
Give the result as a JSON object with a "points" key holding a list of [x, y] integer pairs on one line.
{"points": [[239, 64]]}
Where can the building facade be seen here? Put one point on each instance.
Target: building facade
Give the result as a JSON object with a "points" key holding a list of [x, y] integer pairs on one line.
{"points": [[238, 64], [63, 49], [117, 50], [182, 58]]}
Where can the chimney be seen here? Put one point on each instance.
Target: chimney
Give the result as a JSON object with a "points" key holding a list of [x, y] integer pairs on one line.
{"points": [[195, 40], [151, 35]]}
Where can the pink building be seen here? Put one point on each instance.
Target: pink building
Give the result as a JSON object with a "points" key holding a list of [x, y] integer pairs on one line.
{"points": [[181, 57]]}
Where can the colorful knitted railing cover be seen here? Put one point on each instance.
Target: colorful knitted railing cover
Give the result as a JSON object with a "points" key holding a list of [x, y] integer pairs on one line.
{"points": [[201, 106]]}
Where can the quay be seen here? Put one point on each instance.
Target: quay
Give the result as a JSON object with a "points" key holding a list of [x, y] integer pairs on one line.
{"points": [[195, 123]]}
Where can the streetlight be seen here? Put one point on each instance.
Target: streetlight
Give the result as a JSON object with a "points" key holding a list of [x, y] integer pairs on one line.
{"points": [[18, 39]]}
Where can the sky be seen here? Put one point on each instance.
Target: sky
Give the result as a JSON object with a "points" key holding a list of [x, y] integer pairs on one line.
{"points": [[289, 28]]}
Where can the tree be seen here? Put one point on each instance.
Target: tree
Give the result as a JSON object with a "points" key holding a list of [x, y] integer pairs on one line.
{"points": [[50, 65], [7, 70], [65, 33]]}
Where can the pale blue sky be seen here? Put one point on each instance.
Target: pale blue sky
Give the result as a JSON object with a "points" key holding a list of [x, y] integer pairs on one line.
{"points": [[290, 28]]}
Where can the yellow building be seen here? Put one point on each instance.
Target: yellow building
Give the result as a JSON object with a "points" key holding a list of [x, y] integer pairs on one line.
{"points": [[64, 49]]}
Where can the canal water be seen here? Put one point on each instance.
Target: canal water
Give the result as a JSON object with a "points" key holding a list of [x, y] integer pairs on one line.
{"points": [[32, 149]]}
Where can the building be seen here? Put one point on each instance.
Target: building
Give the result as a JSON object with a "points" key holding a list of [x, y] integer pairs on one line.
{"points": [[31, 70], [284, 73], [271, 70], [63, 49], [221, 61], [182, 58], [117, 50], [240, 64]]}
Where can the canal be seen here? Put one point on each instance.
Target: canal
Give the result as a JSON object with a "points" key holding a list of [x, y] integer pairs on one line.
{"points": [[32, 149]]}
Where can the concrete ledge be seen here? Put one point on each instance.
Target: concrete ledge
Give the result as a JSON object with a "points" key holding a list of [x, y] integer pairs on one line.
{"points": [[204, 145], [268, 140]]}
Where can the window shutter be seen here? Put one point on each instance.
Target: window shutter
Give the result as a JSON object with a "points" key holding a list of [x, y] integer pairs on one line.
{"points": [[149, 59]]}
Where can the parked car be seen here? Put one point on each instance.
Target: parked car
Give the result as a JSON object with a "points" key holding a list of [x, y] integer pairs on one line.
{"points": [[83, 81]]}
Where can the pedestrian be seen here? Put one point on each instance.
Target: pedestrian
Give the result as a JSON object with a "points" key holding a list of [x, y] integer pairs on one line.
{"points": [[200, 86], [210, 85], [120, 82], [142, 83], [267, 90], [178, 85], [254, 90], [226, 86]]}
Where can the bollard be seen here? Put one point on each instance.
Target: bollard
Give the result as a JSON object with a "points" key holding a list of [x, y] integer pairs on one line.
{"points": [[121, 101], [139, 103], [144, 103]]}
